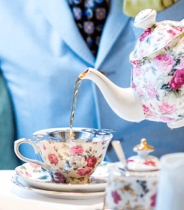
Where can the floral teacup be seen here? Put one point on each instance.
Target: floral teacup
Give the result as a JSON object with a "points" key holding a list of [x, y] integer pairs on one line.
{"points": [[68, 160]]}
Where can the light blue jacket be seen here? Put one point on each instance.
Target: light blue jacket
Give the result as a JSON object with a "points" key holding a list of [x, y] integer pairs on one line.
{"points": [[42, 53], [8, 159]]}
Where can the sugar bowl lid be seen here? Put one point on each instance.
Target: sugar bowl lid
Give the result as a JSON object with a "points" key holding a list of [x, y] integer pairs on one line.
{"points": [[142, 161], [156, 35]]}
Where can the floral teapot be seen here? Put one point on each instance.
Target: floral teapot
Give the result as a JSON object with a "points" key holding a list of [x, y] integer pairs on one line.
{"points": [[157, 89]]}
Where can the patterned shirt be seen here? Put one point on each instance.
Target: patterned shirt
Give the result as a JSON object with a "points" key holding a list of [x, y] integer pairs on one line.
{"points": [[90, 16]]}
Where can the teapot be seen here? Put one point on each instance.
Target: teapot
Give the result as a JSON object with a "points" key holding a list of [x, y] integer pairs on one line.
{"points": [[157, 91]]}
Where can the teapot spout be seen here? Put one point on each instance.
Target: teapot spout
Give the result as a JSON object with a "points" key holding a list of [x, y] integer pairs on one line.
{"points": [[125, 102]]}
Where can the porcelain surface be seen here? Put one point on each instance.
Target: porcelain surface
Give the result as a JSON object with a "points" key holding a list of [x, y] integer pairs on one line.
{"points": [[55, 194], [157, 83], [38, 177], [131, 190], [158, 69], [171, 183], [134, 186], [142, 161], [68, 161]]}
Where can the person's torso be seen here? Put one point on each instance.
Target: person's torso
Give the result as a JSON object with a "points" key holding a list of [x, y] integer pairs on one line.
{"points": [[40, 67]]}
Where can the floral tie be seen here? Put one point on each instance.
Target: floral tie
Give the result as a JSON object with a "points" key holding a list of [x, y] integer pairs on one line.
{"points": [[90, 16]]}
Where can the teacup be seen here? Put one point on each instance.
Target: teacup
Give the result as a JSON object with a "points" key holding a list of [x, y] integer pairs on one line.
{"points": [[68, 160]]}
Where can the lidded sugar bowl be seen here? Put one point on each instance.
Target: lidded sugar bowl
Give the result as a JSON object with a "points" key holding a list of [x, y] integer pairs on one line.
{"points": [[136, 187]]}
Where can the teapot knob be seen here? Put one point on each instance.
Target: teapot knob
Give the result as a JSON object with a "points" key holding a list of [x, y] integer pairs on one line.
{"points": [[145, 19]]}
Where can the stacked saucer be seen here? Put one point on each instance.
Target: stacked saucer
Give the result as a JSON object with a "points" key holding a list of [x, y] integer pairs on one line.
{"points": [[35, 178]]}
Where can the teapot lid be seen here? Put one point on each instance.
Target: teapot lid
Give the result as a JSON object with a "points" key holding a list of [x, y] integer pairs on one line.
{"points": [[143, 161], [156, 35]]}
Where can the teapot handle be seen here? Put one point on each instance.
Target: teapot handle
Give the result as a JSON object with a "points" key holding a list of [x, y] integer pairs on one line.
{"points": [[145, 19], [36, 148]]}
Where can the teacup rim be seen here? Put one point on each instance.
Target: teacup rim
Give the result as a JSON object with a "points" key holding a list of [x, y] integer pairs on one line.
{"points": [[45, 131]]}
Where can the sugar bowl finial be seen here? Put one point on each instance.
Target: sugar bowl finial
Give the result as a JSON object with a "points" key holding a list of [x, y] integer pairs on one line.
{"points": [[143, 146], [143, 161], [137, 186]]}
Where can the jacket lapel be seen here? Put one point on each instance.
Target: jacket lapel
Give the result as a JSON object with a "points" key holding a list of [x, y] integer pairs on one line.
{"points": [[60, 16], [115, 23]]}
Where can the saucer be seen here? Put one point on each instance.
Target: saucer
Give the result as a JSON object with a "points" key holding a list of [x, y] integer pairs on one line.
{"points": [[38, 177], [54, 194]]}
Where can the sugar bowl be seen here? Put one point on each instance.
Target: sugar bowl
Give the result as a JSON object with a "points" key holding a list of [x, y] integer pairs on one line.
{"points": [[134, 187]]}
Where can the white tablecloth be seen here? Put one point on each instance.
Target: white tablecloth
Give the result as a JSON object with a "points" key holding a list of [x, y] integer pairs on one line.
{"points": [[14, 198]]}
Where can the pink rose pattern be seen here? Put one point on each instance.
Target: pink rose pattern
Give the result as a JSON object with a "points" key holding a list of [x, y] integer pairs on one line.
{"points": [[133, 86], [153, 200], [129, 161], [146, 33], [151, 40], [137, 71], [164, 62], [90, 162], [35, 166], [44, 147], [150, 162], [53, 158], [175, 32], [116, 197], [166, 108], [167, 119], [65, 161], [119, 193], [139, 92], [84, 171], [171, 32], [29, 175], [152, 93], [76, 150], [59, 177], [178, 79], [148, 112], [158, 72]]}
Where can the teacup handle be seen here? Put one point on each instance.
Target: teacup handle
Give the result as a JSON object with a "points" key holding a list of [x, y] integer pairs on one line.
{"points": [[18, 142]]}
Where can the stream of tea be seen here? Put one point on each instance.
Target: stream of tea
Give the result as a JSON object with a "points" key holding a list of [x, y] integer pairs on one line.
{"points": [[74, 102]]}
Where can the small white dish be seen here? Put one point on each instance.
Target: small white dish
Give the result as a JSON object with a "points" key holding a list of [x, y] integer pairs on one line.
{"points": [[53, 194], [38, 177]]}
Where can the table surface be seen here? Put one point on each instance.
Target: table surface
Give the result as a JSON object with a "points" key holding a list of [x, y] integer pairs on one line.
{"points": [[16, 198]]}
